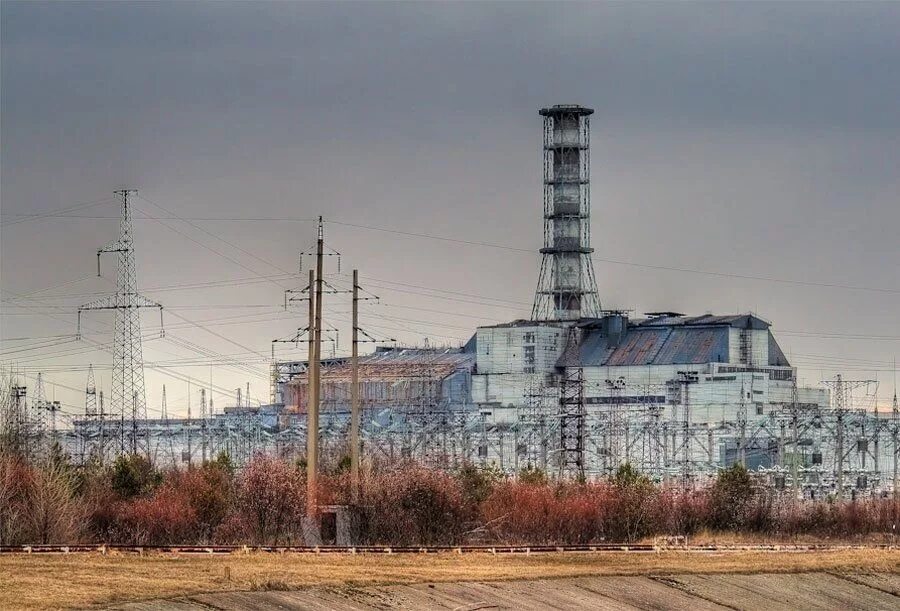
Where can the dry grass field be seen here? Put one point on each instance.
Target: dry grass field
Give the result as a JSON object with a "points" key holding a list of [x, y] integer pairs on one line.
{"points": [[82, 580]]}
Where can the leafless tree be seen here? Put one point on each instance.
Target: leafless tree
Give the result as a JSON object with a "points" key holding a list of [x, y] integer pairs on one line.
{"points": [[55, 514]]}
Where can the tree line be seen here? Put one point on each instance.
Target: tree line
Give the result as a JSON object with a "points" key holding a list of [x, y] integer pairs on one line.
{"points": [[133, 502]]}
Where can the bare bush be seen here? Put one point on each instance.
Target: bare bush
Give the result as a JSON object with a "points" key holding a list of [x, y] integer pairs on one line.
{"points": [[269, 504], [681, 512], [132, 502], [165, 517], [631, 512], [54, 513], [412, 506], [16, 480], [522, 512], [207, 490]]}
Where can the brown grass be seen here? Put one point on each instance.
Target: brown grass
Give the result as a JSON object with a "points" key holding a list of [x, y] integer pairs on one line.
{"points": [[61, 581], [712, 537]]}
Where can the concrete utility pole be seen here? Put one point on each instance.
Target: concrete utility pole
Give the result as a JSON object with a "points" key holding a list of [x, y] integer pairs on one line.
{"points": [[354, 396], [312, 416], [315, 385]]}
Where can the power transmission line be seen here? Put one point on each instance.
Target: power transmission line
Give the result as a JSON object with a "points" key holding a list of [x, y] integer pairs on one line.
{"points": [[24, 218], [534, 251]]}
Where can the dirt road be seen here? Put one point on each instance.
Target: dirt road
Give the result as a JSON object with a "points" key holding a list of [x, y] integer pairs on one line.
{"points": [[865, 578], [676, 592]]}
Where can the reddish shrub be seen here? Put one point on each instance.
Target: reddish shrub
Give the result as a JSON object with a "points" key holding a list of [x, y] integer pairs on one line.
{"points": [[681, 512], [208, 492], [794, 518], [414, 506], [518, 512], [580, 513], [333, 489], [760, 516], [233, 529], [269, 504], [103, 506], [887, 515], [166, 517], [856, 518]]}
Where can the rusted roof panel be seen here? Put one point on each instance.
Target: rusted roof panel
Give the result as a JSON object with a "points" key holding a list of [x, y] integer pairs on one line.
{"points": [[638, 347], [657, 346], [694, 345], [741, 321]]}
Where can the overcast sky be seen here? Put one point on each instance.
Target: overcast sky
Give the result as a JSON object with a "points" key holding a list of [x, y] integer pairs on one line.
{"points": [[756, 139]]}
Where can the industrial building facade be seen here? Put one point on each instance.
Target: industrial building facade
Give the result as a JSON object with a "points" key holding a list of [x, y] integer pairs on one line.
{"points": [[580, 389], [730, 360], [397, 378]]}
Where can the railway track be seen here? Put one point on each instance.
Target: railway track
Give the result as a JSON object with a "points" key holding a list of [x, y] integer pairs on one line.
{"points": [[434, 549]]}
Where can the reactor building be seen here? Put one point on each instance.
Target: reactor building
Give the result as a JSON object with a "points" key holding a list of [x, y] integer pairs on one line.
{"points": [[573, 362], [723, 362]]}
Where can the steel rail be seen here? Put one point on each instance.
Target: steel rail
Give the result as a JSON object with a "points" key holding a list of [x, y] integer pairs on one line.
{"points": [[432, 549]]}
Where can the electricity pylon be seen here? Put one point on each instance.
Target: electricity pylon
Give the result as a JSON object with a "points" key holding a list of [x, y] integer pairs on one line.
{"points": [[129, 396], [90, 394]]}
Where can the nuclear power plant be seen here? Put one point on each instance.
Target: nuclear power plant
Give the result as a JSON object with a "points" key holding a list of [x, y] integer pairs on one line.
{"points": [[576, 390]]}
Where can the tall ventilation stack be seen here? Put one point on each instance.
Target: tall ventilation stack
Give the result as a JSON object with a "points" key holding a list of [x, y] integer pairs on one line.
{"points": [[566, 287]]}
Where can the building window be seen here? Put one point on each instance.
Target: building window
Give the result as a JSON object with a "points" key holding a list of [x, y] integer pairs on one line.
{"points": [[529, 355]]}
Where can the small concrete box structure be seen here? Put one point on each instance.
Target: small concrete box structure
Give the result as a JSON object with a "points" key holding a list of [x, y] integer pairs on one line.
{"points": [[335, 525]]}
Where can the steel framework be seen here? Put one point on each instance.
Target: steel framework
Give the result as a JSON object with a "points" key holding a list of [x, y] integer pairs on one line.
{"points": [[566, 288], [129, 396], [667, 448]]}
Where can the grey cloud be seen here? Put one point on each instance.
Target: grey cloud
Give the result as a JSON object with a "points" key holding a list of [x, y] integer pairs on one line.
{"points": [[759, 137]]}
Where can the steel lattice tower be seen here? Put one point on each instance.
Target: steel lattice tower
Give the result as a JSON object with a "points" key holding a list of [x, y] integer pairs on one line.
{"points": [[129, 397], [566, 287], [39, 407], [90, 394], [571, 409]]}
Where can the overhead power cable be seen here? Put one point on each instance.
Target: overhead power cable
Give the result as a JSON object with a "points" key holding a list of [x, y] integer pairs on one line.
{"points": [[534, 251], [24, 218], [228, 242], [628, 263], [213, 250], [171, 287]]}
